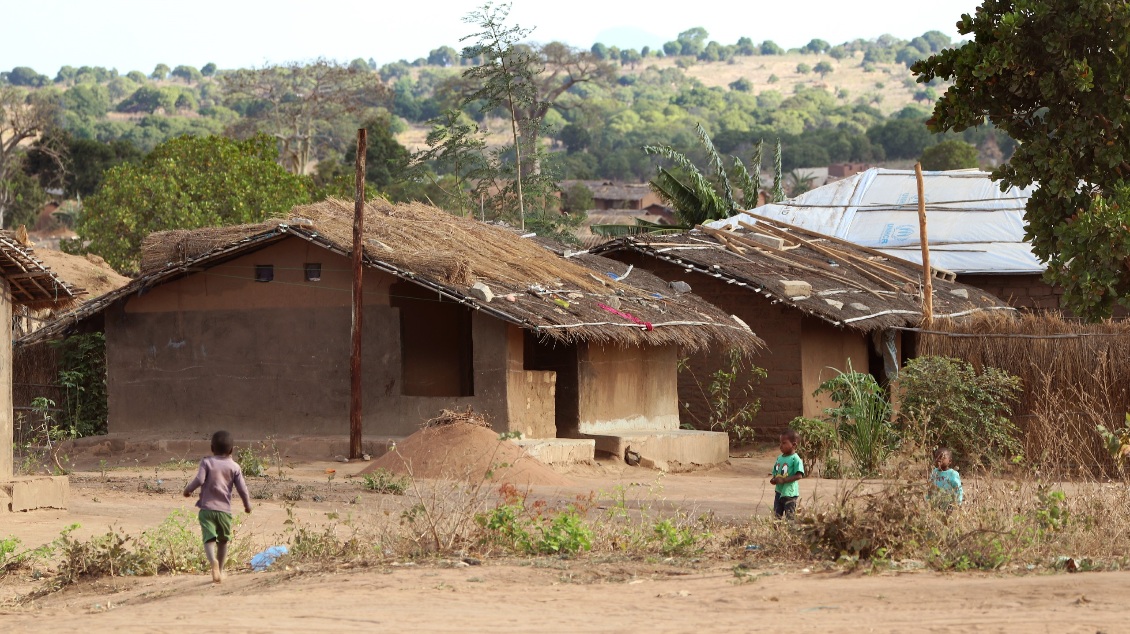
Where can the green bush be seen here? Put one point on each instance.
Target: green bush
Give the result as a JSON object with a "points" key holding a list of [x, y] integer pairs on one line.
{"points": [[818, 439], [384, 481], [950, 154], [862, 418], [945, 402], [251, 463]]}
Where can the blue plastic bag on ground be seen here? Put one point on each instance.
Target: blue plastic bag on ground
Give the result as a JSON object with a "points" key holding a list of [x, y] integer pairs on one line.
{"points": [[263, 560]]}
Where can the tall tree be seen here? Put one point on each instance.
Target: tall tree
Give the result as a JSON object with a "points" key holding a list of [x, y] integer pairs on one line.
{"points": [[504, 78], [1051, 74], [24, 115], [186, 183], [298, 104]]}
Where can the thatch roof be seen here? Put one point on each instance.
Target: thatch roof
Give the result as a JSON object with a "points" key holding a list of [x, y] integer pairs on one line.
{"points": [[32, 282], [851, 286], [549, 291]]}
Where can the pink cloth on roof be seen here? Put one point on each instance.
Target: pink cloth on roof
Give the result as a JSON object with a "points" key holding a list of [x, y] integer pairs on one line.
{"points": [[215, 479]]}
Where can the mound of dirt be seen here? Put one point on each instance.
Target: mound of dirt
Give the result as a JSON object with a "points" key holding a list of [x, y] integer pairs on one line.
{"points": [[464, 451]]}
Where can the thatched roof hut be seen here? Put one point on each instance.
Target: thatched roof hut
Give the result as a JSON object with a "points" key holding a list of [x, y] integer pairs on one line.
{"points": [[536, 284], [32, 282]]}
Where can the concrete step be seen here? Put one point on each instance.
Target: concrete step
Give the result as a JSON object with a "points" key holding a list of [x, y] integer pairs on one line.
{"points": [[667, 450], [27, 493], [560, 451]]}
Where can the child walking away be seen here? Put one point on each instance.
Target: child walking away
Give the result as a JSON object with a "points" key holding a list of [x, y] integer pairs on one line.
{"points": [[945, 479], [217, 475], [786, 472]]}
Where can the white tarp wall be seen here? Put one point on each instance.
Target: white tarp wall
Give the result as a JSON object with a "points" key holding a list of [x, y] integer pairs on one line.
{"points": [[972, 226]]}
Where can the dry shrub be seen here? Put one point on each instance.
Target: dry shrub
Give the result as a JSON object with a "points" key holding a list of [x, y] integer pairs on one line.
{"points": [[1001, 523], [449, 417], [1070, 385]]}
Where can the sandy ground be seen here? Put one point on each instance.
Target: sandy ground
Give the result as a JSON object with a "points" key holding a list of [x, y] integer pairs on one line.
{"points": [[585, 597], [544, 595]]}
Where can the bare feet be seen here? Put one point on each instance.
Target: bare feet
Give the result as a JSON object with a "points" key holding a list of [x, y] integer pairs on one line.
{"points": [[217, 574]]}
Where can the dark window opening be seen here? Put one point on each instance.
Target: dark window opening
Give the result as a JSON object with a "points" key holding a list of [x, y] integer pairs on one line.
{"points": [[436, 351], [313, 272], [548, 355], [264, 272]]}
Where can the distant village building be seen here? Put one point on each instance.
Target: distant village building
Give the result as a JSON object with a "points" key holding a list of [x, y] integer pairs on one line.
{"points": [[821, 307], [248, 328], [607, 195], [843, 170]]}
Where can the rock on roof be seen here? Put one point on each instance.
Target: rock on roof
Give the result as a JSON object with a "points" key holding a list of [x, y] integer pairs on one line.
{"points": [[534, 284]]}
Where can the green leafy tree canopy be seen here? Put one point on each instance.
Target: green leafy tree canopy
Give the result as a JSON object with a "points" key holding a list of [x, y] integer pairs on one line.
{"points": [[187, 183], [950, 154], [1051, 74]]}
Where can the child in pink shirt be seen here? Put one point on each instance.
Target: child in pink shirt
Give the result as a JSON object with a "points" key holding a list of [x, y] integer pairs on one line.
{"points": [[217, 475]]}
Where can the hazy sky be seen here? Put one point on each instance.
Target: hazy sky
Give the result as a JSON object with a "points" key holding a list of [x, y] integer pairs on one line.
{"points": [[136, 35]]}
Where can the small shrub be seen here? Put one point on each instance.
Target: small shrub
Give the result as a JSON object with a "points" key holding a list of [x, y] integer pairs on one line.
{"points": [[384, 481], [818, 440], [730, 398], [250, 462], [672, 539], [946, 402], [833, 469], [564, 534], [534, 531]]}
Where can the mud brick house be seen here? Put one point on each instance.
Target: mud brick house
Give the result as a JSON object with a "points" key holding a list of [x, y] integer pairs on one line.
{"points": [[247, 328], [25, 282], [819, 303]]}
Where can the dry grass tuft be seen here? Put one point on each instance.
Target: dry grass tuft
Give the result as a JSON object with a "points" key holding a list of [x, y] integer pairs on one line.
{"points": [[449, 417]]}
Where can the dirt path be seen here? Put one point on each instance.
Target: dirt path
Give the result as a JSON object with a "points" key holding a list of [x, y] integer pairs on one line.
{"points": [[543, 595], [511, 598]]}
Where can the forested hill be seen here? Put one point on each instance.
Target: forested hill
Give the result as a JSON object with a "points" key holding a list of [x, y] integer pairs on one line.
{"points": [[855, 101]]}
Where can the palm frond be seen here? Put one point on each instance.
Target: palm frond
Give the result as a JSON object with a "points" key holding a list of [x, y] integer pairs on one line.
{"points": [[719, 169], [778, 177], [694, 204], [748, 185]]}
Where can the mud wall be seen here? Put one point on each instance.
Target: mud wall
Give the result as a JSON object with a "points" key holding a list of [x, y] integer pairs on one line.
{"points": [[627, 388], [531, 394], [824, 349]]}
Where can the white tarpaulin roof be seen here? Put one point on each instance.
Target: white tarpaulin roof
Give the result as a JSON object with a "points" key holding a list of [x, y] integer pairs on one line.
{"points": [[972, 226]]}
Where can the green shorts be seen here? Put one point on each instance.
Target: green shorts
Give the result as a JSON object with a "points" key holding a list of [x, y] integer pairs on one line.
{"points": [[215, 526]]}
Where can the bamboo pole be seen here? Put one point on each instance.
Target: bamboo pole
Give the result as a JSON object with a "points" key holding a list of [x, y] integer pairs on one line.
{"points": [[927, 272], [355, 348]]}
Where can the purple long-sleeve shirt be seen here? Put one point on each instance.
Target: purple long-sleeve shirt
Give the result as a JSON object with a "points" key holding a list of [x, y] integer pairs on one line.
{"points": [[215, 479]]}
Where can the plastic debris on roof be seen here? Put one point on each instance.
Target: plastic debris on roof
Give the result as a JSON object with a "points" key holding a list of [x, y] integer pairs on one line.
{"points": [[972, 226]]}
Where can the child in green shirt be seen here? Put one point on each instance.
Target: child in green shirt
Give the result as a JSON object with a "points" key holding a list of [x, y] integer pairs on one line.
{"points": [[788, 469]]}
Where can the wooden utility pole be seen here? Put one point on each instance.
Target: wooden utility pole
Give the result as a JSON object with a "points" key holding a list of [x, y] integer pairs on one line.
{"points": [[355, 347], [927, 272]]}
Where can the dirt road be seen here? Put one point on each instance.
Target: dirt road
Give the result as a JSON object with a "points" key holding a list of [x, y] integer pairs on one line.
{"points": [[589, 594], [587, 597]]}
